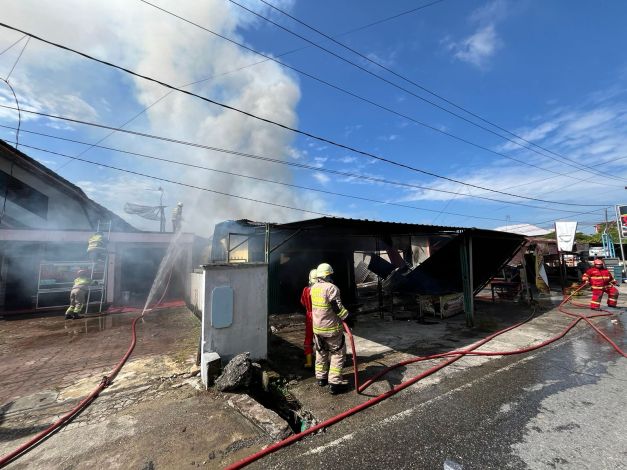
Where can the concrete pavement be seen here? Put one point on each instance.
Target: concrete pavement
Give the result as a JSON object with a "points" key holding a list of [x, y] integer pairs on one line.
{"points": [[480, 412], [558, 407]]}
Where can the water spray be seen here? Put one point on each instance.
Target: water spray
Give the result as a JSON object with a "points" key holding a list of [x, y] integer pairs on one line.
{"points": [[162, 279]]}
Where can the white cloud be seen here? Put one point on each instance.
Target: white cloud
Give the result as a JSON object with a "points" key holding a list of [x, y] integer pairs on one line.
{"points": [[152, 43], [321, 178], [590, 133], [350, 129], [478, 48], [491, 12], [388, 61]]}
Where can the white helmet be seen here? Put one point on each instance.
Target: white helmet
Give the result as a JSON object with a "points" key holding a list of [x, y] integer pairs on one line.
{"points": [[313, 275], [324, 270], [180, 204]]}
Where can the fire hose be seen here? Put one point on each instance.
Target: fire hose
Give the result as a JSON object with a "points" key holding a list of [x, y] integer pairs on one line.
{"points": [[450, 356], [104, 383]]}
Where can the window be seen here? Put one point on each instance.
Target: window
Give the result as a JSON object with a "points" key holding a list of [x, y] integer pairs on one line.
{"points": [[23, 195]]}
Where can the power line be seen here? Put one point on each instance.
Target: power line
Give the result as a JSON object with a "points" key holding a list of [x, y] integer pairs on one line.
{"points": [[232, 152], [19, 114], [13, 44], [366, 100], [180, 183], [283, 126], [432, 103], [413, 10], [376, 201], [560, 218], [18, 59], [221, 192], [280, 162], [192, 165]]}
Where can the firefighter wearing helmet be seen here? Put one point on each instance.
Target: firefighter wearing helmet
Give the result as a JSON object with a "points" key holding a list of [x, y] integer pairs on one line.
{"points": [[601, 280], [78, 294], [327, 316], [177, 217]]}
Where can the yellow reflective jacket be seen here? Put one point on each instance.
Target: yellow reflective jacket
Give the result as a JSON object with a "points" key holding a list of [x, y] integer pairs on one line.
{"points": [[327, 310], [96, 241], [81, 283]]}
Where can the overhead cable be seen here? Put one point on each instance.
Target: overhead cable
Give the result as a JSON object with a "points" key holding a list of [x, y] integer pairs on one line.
{"points": [[371, 102], [18, 59], [12, 45], [375, 201], [432, 103], [19, 114], [284, 126], [177, 141], [256, 178], [222, 193]]}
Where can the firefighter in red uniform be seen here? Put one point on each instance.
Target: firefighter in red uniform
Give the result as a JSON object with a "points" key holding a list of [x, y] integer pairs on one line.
{"points": [[305, 300], [601, 280]]}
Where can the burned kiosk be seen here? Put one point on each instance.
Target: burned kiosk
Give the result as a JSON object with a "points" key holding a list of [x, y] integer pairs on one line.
{"points": [[389, 257]]}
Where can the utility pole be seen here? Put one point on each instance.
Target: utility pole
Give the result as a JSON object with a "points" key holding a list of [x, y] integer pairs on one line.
{"points": [[619, 227]]}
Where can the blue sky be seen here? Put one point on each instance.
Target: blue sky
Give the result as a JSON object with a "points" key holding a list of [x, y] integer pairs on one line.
{"points": [[553, 72]]}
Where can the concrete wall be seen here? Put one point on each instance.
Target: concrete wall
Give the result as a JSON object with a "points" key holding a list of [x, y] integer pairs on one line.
{"points": [[64, 211], [249, 329], [196, 301]]}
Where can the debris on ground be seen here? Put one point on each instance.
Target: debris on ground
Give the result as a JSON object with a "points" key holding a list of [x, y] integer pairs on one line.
{"points": [[266, 419], [237, 374]]}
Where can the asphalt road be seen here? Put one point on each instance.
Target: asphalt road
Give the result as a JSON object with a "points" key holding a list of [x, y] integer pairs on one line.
{"points": [[560, 407]]}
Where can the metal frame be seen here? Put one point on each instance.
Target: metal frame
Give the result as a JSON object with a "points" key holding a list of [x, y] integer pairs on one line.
{"points": [[91, 265], [619, 227], [41, 290]]}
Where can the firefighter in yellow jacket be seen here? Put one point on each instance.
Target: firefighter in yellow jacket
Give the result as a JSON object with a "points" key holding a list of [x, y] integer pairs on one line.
{"points": [[97, 247], [78, 295], [327, 315]]}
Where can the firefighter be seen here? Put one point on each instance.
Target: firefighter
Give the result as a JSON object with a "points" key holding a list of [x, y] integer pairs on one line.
{"points": [[177, 217], [78, 295], [327, 315], [305, 300], [96, 246], [601, 280]]}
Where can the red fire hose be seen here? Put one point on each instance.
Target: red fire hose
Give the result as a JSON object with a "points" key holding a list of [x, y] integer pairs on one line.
{"points": [[104, 383], [450, 356]]}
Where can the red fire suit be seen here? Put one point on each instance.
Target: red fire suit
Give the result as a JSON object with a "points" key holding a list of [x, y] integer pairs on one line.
{"points": [[305, 300], [601, 280]]}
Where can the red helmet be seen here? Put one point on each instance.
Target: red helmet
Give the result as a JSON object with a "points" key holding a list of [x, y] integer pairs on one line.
{"points": [[598, 262]]}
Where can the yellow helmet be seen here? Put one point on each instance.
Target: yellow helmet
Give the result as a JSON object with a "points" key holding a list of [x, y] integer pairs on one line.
{"points": [[324, 270], [313, 275]]}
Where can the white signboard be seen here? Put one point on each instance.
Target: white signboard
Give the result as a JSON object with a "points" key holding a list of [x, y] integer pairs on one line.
{"points": [[565, 234], [621, 215]]}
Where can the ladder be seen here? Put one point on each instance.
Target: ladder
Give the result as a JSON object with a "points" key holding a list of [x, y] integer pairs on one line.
{"points": [[105, 228], [99, 269], [608, 245]]}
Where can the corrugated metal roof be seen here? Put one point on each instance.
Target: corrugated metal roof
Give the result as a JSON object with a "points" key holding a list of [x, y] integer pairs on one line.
{"points": [[348, 222]]}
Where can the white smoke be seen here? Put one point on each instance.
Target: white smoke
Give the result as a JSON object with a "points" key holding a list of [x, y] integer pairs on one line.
{"points": [[150, 42]]}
